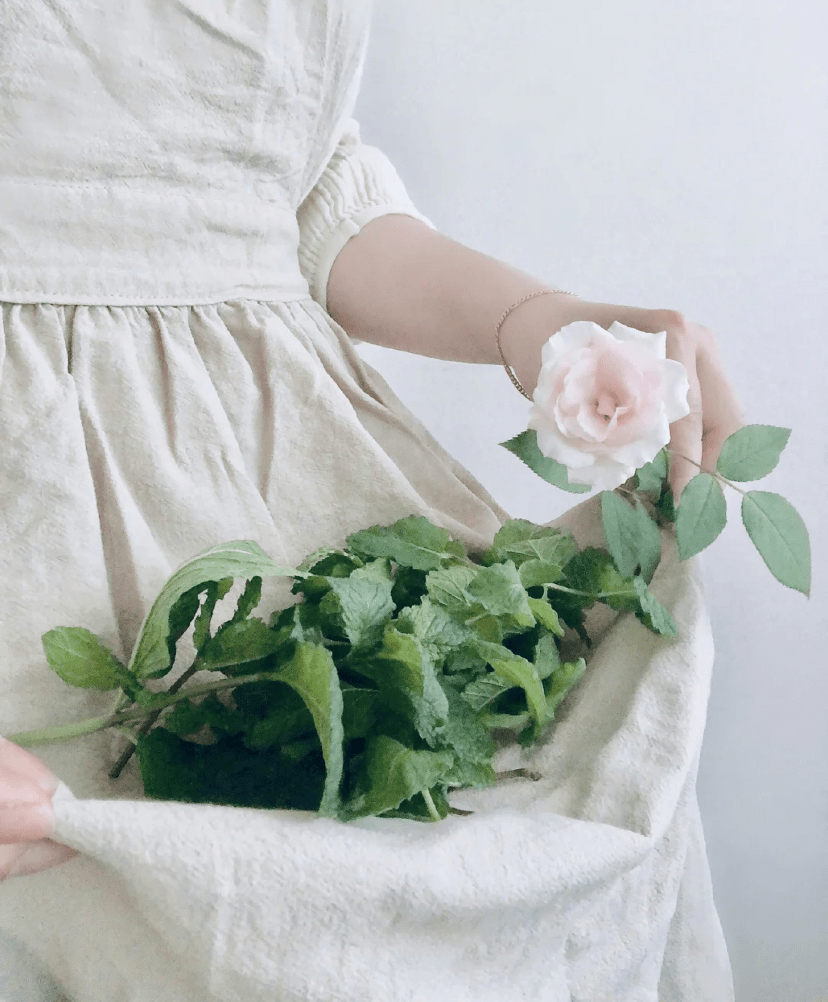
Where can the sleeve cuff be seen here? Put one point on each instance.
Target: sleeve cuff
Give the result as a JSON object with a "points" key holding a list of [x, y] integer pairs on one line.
{"points": [[358, 184]]}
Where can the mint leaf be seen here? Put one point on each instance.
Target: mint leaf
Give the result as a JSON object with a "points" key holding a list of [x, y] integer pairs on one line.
{"points": [[80, 659], [539, 572], [288, 720], [547, 657], [519, 540], [752, 452], [227, 773], [593, 571], [248, 600], [403, 672], [466, 735], [525, 447], [216, 590], [448, 586], [437, 632], [499, 591], [364, 604], [239, 642], [239, 558], [413, 541], [520, 672], [485, 690], [392, 773], [546, 616], [187, 717], [780, 536], [561, 681], [702, 515], [312, 674]]}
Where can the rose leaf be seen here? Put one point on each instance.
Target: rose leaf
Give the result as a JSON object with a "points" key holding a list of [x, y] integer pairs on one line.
{"points": [[780, 536], [702, 514], [525, 447], [752, 452]]}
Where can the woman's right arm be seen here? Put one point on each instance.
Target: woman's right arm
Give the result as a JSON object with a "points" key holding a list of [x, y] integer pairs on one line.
{"points": [[27, 819]]}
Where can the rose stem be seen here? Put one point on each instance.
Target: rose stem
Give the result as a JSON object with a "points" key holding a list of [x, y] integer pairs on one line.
{"points": [[712, 473]]}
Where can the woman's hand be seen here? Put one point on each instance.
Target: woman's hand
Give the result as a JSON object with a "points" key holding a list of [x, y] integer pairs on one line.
{"points": [[715, 411], [27, 819]]}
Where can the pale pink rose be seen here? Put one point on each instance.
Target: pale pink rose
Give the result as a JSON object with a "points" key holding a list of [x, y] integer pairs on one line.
{"points": [[604, 401]]}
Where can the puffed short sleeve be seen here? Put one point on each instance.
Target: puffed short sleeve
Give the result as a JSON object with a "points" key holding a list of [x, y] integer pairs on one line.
{"points": [[358, 184]]}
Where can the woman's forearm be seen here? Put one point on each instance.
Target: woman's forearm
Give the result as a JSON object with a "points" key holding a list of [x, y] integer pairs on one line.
{"points": [[402, 285]]}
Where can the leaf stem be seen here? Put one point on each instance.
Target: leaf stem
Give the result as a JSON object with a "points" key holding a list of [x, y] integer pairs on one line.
{"points": [[29, 738], [432, 810], [712, 473]]}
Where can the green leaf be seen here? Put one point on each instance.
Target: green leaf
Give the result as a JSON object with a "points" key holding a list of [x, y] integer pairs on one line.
{"points": [[780, 536], [525, 447], [561, 681], [239, 558], [485, 690], [312, 674], [437, 632], [520, 540], [539, 572], [499, 591], [632, 536], [216, 590], [465, 735], [546, 615], [651, 613], [650, 476], [702, 514], [752, 452], [593, 570], [248, 600], [448, 586], [227, 773], [392, 773], [274, 713], [80, 659], [239, 642], [520, 672], [187, 717], [547, 657], [413, 541], [359, 711], [401, 668], [364, 604], [665, 506]]}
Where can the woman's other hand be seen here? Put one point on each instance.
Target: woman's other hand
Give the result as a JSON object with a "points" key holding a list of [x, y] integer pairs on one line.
{"points": [[27, 819], [715, 411]]}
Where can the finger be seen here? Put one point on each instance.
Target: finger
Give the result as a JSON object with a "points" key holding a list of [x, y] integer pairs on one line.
{"points": [[32, 857], [24, 763], [26, 822], [723, 412], [686, 436]]}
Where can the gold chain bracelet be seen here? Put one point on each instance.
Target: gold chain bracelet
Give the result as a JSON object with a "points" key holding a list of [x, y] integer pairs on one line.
{"points": [[516, 382]]}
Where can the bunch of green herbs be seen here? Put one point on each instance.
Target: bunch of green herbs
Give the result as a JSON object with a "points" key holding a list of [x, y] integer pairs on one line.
{"points": [[378, 692]]}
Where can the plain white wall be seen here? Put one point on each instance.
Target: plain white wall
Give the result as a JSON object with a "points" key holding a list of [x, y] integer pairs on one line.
{"points": [[663, 155]]}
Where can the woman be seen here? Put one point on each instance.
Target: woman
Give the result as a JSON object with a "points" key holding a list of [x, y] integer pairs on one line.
{"points": [[192, 233]]}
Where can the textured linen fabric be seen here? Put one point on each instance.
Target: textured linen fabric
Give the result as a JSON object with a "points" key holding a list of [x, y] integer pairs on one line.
{"points": [[175, 182]]}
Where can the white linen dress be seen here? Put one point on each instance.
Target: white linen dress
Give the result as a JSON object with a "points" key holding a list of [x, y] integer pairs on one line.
{"points": [[176, 180]]}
